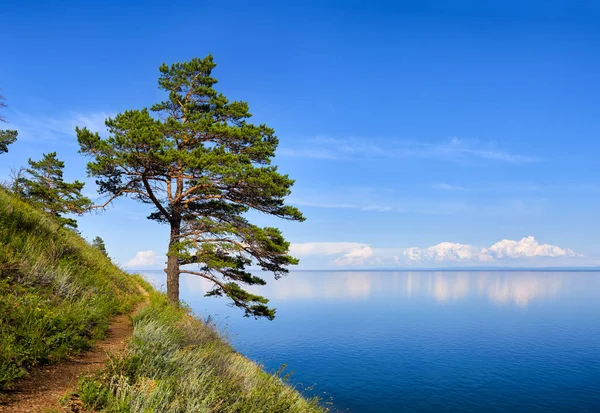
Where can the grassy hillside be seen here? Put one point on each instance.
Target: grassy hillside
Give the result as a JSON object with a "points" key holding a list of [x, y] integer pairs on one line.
{"points": [[57, 293], [175, 363]]}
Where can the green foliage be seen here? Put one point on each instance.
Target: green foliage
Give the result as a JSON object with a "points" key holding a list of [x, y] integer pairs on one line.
{"points": [[98, 243], [6, 136], [46, 188], [200, 165], [57, 293], [175, 363]]}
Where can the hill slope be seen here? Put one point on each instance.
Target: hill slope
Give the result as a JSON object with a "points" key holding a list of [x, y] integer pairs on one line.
{"points": [[57, 292], [175, 363], [57, 295]]}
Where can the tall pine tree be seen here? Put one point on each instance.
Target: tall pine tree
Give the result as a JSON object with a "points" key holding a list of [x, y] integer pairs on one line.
{"points": [[46, 188], [201, 166]]}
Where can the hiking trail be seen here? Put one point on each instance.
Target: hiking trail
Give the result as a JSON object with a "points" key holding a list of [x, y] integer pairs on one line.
{"points": [[41, 390]]}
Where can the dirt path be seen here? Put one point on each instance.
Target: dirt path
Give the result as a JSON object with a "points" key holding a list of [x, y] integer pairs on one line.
{"points": [[41, 391]]}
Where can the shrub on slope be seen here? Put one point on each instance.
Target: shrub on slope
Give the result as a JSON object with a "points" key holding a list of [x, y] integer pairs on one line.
{"points": [[57, 293]]}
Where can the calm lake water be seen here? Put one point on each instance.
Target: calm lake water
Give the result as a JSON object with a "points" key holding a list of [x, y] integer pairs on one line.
{"points": [[427, 341]]}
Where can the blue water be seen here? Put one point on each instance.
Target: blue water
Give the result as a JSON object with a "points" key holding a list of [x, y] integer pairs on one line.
{"points": [[427, 341]]}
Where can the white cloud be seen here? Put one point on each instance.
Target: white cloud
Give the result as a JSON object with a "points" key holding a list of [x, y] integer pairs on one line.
{"points": [[349, 253], [368, 207], [390, 201], [490, 187], [527, 247], [377, 208], [323, 204], [324, 248], [447, 252], [93, 121], [451, 149], [42, 127], [317, 153], [456, 147], [354, 254], [361, 199], [447, 187], [143, 259], [358, 256]]}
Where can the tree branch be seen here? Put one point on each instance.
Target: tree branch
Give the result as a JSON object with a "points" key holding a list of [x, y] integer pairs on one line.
{"points": [[112, 198], [153, 198]]}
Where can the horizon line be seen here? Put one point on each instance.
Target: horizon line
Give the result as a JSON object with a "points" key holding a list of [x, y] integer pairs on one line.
{"points": [[433, 269]]}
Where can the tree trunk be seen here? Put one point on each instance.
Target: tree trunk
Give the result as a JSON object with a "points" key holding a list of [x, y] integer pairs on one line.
{"points": [[173, 265]]}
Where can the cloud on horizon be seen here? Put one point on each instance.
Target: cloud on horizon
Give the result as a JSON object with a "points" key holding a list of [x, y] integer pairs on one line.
{"points": [[143, 259], [525, 251]]}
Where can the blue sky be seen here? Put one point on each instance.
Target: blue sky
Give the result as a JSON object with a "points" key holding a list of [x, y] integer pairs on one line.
{"points": [[405, 124]]}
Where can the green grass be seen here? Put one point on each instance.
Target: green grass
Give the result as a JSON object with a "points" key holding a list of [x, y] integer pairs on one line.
{"points": [[176, 363], [57, 293]]}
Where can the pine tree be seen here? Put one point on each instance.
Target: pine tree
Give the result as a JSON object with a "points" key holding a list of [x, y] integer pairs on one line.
{"points": [[6, 136], [201, 166], [46, 188], [99, 244]]}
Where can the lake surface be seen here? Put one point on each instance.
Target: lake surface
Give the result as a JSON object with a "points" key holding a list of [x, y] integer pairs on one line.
{"points": [[427, 341]]}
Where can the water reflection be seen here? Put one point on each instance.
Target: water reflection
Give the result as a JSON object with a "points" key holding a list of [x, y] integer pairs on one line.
{"points": [[502, 288], [446, 288], [521, 290], [517, 288], [350, 285]]}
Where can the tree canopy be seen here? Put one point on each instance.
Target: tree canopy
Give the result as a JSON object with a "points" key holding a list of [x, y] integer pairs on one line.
{"points": [[201, 166], [44, 186]]}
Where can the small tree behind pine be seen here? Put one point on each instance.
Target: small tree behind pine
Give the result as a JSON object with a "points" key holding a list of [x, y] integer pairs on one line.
{"points": [[46, 188], [98, 243]]}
